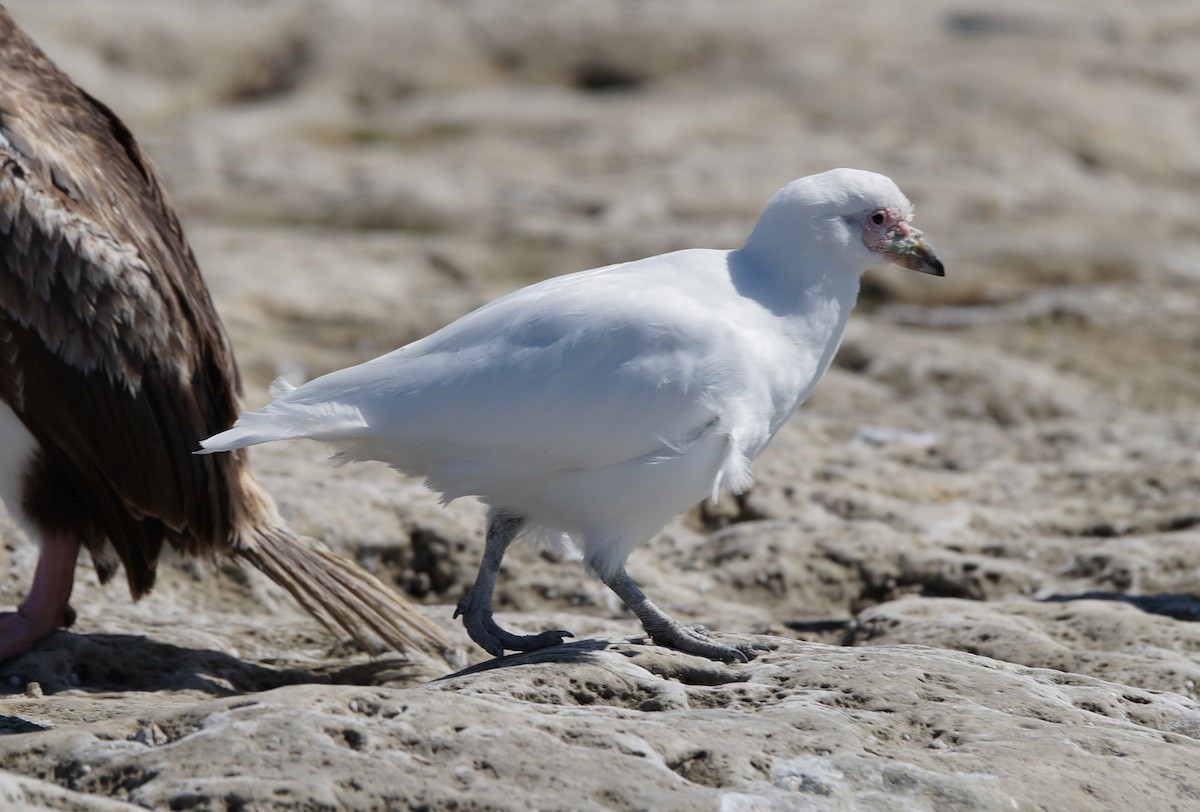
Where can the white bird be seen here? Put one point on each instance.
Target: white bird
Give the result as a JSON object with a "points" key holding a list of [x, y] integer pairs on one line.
{"points": [[593, 407]]}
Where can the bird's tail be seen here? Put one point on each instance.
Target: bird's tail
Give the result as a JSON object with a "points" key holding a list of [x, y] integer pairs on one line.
{"points": [[339, 593], [334, 590], [285, 419]]}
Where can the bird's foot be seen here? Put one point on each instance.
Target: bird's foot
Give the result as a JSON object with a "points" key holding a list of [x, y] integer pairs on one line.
{"points": [[493, 639], [22, 629], [696, 640]]}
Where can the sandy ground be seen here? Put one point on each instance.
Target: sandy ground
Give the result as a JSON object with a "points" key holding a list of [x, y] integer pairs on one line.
{"points": [[974, 554]]}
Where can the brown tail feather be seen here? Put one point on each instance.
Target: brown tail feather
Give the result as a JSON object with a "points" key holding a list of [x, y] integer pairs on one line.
{"points": [[337, 592]]}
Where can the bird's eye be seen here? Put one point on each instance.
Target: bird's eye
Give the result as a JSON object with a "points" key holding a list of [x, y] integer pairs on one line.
{"points": [[877, 218]]}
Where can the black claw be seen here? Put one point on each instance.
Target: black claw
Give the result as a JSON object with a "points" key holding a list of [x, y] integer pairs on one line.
{"points": [[493, 639], [463, 606], [696, 640]]}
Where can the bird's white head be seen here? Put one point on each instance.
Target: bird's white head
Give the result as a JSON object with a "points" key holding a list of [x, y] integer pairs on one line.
{"points": [[858, 220]]}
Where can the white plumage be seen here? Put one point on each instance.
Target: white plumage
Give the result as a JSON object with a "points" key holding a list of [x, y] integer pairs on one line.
{"points": [[599, 404]]}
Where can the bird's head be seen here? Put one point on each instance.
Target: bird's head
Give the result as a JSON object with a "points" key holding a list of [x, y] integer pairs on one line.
{"points": [[859, 219]]}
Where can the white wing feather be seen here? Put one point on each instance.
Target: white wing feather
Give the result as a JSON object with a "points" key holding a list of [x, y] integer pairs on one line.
{"points": [[578, 372]]}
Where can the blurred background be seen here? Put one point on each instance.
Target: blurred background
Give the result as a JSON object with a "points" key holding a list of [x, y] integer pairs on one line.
{"points": [[369, 169], [355, 173]]}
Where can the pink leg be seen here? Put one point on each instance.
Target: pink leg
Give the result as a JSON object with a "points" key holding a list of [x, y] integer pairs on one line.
{"points": [[46, 607]]}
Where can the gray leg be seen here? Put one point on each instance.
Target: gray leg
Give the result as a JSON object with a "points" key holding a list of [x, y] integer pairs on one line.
{"points": [[666, 631], [476, 607]]}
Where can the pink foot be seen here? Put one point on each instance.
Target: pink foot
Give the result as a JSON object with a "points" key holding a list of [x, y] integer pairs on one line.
{"points": [[19, 633], [46, 608]]}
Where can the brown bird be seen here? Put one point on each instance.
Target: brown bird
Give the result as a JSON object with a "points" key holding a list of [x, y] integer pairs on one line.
{"points": [[114, 365]]}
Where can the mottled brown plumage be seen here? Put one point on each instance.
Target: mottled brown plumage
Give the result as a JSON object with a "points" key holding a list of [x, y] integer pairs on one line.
{"points": [[114, 360]]}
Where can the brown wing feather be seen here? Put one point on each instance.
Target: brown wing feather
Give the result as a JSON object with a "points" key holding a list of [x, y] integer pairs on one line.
{"points": [[110, 349], [114, 359]]}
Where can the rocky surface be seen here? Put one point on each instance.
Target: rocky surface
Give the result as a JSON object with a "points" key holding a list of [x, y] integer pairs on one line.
{"points": [[596, 725], [974, 554]]}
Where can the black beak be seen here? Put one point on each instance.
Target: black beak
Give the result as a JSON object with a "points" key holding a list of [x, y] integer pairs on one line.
{"points": [[911, 251]]}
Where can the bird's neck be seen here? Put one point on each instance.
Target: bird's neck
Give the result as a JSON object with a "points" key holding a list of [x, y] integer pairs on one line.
{"points": [[789, 281], [808, 291]]}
